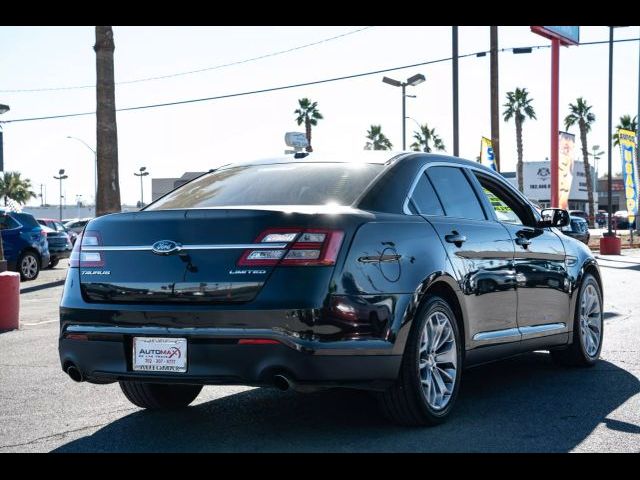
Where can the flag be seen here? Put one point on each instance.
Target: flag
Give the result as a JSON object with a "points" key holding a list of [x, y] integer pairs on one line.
{"points": [[627, 140], [486, 153]]}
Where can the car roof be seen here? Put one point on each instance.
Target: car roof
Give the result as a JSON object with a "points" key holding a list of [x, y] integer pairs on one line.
{"points": [[49, 219], [379, 157], [574, 217]]}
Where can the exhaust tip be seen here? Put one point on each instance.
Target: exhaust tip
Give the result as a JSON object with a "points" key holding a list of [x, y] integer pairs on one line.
{"points": [[281, 382], [74, 373]]}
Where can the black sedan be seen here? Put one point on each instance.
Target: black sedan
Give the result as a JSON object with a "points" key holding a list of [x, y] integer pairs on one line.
{"points": [[383, 272]]}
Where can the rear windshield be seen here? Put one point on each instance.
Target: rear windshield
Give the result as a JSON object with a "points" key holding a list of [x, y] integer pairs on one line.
{"points": [[274, 184]]}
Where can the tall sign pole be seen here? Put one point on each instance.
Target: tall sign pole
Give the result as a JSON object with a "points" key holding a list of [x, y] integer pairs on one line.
{"points": [[562, 35], [555, 112]]}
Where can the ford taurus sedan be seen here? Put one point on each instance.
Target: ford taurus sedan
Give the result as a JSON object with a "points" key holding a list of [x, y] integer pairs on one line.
{"points": [[390, 273]]}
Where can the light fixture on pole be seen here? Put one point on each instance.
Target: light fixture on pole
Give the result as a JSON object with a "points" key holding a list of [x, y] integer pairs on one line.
{"points": [[143, 173], [61, 176], [596, 156], [95, 157], [411, 81]]}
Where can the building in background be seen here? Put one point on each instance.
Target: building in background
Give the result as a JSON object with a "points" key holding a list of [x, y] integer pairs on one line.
{"points": [[537, 184], [617, 193], [162, 186]]}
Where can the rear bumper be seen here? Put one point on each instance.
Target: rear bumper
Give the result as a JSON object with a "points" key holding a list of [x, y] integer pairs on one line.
{"points": [[215, 357]]}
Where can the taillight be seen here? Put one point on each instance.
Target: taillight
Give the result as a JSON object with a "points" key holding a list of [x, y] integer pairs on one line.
{"points": [[304, 247], [86, 258]]}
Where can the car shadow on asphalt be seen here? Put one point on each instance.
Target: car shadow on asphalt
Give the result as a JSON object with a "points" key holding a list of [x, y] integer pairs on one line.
{"points": [[526, 403]]}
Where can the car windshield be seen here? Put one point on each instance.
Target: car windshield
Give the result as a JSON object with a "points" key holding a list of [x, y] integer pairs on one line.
{"points": [[274, 184]]}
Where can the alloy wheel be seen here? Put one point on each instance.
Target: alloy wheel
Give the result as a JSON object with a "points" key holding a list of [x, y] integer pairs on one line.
{"points": [[590, 320], [438, 360], [29, 266]]}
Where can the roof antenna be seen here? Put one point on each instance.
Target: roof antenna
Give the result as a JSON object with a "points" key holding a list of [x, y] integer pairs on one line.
{"points": [[298, 141]]}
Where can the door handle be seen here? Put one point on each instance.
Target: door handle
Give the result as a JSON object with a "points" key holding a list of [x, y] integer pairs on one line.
{"points": [[523, 241], [456, 238]]}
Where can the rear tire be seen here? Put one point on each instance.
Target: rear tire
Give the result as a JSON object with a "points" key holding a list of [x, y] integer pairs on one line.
{"points": [[431, 369], [588, 331], [28, 266], [159, 396]]}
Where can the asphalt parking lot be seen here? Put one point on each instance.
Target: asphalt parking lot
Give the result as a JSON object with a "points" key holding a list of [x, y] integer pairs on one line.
{"points": [[524, 404]]}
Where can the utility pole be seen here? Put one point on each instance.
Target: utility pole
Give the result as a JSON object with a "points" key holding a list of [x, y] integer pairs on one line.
{"points": [[495, 92], [108, 195], [454, 64]]}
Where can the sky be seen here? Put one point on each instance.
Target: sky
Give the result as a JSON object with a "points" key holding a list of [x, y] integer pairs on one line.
{"points": [[198, 136]]}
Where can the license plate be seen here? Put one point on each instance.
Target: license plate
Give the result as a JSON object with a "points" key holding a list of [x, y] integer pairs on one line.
{"points": [[160, 354]]}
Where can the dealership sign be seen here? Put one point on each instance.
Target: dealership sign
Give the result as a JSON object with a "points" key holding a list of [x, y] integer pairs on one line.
{"points": [[565, 34], [537, 181]]}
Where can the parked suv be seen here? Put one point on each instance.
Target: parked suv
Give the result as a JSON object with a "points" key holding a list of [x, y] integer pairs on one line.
{"points": [[25, 244]]}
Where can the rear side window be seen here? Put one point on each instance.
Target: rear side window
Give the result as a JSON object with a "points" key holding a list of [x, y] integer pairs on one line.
{"points": [[274, 184], [7, 223], [455, 192], [424, 198], [26, 220]]}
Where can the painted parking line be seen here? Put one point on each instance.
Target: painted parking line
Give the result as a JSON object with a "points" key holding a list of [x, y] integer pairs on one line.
{"points": [[39, 323]]}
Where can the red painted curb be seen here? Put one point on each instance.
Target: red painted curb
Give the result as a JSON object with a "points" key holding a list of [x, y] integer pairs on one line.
{"points": [[9, 300]]}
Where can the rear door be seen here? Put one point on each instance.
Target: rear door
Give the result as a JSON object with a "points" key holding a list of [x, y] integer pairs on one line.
{"points": [[480, 251], [10, 231], [542, 279]]}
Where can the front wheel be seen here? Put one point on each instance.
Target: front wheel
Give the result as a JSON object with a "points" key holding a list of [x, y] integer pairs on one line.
{"points": [[588, 329], [160, 396], [427, 386]]}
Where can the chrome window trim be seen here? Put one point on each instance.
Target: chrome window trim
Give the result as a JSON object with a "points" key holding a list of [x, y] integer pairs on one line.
{"points": [[132, 248], [515, 192]]}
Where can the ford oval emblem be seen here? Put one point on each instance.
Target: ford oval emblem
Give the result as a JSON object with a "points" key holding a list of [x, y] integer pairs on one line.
{"points": [[165, 247]]}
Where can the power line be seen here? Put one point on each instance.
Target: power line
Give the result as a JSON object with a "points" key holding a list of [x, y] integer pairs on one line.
{"points": [[297, 85], [190, 72]]}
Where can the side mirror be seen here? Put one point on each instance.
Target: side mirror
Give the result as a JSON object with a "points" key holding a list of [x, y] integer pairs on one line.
{"points": [[553, 217]]}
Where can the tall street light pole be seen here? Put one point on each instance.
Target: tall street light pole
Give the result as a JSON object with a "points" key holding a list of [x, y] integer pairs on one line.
{"points": [[495, 92], [95, 157], [412, 81], [61, 177], [143, 173], [3, 262]]}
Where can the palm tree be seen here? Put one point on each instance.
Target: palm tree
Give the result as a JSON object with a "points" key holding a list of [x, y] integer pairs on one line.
{"points": [[519, 107], [377, 139], [582, 115], [108, 195], [627, 124], [423, 137], [308, 114], [14, 187]]}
